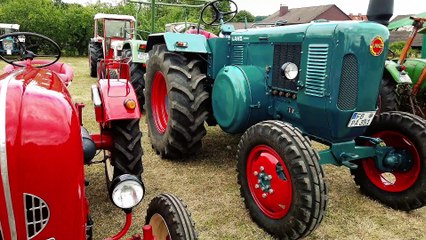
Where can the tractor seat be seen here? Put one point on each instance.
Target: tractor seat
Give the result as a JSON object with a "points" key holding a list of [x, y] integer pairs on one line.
{"points": [[205, 33], [63, 70]]}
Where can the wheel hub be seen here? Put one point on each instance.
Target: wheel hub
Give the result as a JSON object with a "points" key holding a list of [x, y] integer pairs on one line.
{"points": [[269, 182]]}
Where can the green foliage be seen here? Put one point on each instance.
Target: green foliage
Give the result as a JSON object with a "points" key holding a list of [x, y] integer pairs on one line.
{"points": [[397, 47], [241, 15], [71, 25]]}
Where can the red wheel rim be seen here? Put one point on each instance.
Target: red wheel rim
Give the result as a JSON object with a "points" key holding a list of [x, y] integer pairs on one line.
{"points": [[264, 159], [396, 181], [159, 102]]}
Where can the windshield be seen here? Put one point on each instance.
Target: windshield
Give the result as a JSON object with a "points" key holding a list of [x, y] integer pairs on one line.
{"points": [[117, 28]]}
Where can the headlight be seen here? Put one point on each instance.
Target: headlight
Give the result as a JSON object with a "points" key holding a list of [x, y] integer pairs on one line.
{"points": [[289, 70], [126, 191]]}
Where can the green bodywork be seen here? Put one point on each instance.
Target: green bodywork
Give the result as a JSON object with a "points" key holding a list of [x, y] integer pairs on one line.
{"points": [[138, 53], [414, 68], [337, 77]]}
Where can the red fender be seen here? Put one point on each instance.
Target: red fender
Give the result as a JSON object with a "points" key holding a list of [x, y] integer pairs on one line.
{"points": [[113, 94]]}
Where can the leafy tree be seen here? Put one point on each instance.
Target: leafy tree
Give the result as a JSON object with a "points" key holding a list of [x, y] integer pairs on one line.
{"points": [[241, 15]]}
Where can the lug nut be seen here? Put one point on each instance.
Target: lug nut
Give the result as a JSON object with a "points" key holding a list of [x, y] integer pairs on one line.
{"points": [[271, 191], [262, 168], [264, 195], [270, 177], [256, 186], [256, 173]]}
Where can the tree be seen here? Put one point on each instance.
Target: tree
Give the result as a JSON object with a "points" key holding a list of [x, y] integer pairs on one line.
{"points": [[241, 15]]}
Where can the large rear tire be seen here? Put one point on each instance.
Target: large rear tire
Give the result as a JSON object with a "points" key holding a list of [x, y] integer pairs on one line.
{"points": [[170, 219], [404, 187], [95, 54], [137, 79], [176, 103], [281, 180], [126, 152]]}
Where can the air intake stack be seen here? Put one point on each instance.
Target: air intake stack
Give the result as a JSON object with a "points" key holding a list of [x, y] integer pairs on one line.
{"points": [[380, 11]]}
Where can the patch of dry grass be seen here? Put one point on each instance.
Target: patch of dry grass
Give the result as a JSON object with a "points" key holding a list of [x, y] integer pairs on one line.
{"points": [[208, 185]]}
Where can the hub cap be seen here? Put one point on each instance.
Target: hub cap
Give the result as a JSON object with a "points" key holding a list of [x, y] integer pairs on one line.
{"points": [[398, 180], [269, 181], [159, 102]]}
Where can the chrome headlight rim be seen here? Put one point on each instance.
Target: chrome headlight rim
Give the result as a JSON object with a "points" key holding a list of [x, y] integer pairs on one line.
{"points": [[122, 183], [289, 70]]}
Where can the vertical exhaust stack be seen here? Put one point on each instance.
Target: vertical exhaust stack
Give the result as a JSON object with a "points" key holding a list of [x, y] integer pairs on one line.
{"points": [[380, 11]]}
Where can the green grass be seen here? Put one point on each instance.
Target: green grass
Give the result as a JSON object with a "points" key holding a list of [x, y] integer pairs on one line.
{"points": [[208, 185]]}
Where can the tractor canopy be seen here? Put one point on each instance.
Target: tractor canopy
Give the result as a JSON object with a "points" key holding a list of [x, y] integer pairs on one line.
{"points": [[41, 158]]}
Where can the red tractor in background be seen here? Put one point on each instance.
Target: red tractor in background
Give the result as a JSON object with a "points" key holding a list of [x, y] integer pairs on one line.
{"points": [[43, 147], [111, 32]]}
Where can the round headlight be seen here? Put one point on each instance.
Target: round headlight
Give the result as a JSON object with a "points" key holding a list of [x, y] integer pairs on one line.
{"points": [[127, 191], [289, 70]]}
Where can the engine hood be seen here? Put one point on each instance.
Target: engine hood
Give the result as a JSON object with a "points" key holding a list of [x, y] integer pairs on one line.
{"points": [[41, 157]]}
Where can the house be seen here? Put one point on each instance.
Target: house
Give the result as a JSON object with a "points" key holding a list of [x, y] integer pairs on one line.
{"points": [[306, 14]]}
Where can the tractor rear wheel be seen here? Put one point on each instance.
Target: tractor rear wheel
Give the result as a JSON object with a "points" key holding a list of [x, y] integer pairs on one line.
{"points": [[95, 54], [281, 180], [137, 79], [137, 73], [170, 219], [404, 187], [176, 103], [126, 152], [388, 99]]}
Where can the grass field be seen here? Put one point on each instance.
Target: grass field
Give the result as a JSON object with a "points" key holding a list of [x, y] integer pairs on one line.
{"points": [[208, 185]]}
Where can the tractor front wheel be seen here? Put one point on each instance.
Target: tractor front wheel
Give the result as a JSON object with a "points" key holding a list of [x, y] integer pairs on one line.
{"points": [[176, 103], [281, 180], [126, 152], [388, 99], [170, 219], [403, 186]]}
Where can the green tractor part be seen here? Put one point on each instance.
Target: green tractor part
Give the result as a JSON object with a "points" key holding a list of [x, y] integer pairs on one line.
{"points": [[403, 84], [282, 86]]}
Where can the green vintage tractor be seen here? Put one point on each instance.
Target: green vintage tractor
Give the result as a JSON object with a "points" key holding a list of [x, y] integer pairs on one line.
{"points": [[281, 87], [403, 84]]}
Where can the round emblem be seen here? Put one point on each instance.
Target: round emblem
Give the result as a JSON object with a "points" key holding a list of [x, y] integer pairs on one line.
{"points": [[377, 46]]}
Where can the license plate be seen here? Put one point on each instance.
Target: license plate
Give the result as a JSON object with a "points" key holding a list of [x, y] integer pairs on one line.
{"points": [[143, 56], [361, 119]]}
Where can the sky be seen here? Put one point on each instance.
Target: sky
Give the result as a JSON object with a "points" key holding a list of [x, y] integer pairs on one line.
{"points": [[267, 7]]}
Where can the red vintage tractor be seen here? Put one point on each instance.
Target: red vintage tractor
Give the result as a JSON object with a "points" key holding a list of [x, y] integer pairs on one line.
{"points": [[43, 147], [111, 33]]}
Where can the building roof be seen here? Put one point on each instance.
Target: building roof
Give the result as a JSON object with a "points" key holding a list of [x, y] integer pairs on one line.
{"points": [[397, 36], [302, 15]]}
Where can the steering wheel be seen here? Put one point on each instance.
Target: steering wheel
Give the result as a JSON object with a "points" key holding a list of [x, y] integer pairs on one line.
{"points": [[27, 42], [218, 14]]}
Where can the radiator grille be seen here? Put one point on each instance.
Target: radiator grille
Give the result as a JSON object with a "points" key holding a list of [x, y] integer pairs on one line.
{"points": [[348, 91], [36, 214], [316, 71], [238, 55], [285, 52]]}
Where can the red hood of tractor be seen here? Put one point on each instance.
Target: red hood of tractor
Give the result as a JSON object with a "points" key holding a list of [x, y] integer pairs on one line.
{"points": [[41, 158]]}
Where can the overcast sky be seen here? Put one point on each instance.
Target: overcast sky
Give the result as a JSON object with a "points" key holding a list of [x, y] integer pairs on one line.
{"points": [[267, 7]]}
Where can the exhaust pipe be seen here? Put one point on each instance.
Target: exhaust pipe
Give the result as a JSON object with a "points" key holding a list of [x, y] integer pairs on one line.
{"points": [[380, 11]]}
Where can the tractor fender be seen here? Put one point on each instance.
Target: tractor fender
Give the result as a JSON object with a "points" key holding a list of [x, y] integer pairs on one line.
{"points": [[191, 43], [396, 75], [239, 97], [109, 98]]}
